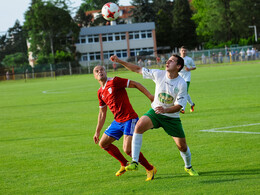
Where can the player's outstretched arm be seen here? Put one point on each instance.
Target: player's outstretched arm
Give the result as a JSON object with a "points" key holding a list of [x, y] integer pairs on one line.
{"points": [[141, 88], [101, 120], [128, 65]]}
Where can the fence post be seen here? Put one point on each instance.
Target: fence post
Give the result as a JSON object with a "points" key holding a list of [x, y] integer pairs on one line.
{"points": [[51, 70], [88, 67], [33, 73], [70, 69]]}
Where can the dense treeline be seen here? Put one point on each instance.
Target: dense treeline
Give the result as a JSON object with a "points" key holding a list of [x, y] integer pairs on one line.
{"points": [[51, 31]]}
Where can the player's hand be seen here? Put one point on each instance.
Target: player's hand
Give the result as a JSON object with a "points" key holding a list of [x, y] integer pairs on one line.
{"points": [[114, 58], [186, 68], [159, 110], [96, 138]]}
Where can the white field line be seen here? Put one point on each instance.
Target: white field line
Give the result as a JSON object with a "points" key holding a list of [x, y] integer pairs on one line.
{"points": [[53, 92], [230, 127]]}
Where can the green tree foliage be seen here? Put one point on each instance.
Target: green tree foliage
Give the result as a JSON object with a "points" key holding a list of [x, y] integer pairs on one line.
{"points": [[81, 18], [174, 26], [14, 41], [143, 12], [164, 31], [18, 59], [183, 27], [225, 20], [50, 28], [89, 5]]}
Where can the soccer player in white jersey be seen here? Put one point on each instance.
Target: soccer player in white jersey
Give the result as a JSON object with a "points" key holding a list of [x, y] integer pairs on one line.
{"points": [[185, 73], [170, 96]]}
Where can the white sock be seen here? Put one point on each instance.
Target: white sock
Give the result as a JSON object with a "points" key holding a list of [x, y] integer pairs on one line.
{"points": [[189, 100], [136, 146], [186, 156]]}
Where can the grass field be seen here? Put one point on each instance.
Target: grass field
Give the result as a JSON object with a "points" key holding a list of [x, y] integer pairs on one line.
{"points": [[47, 128]]}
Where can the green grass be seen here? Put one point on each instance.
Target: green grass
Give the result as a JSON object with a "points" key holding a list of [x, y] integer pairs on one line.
{"points": [[46, 139]]}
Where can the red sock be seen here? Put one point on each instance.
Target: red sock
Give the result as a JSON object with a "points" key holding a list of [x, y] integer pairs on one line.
{"points": [[144, 162], [115, 152]]}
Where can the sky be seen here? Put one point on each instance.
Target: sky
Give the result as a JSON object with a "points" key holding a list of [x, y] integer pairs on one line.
{"points": [[12, 10]]}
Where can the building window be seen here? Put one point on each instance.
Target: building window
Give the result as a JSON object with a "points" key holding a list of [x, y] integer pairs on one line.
{"points": [[82, 40], [93, 38], [107, 54], [119, 36], [149, 34], [91, 56]]}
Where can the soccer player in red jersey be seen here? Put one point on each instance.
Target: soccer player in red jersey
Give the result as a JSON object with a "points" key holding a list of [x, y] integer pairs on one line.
{"points": [[112, 94]]}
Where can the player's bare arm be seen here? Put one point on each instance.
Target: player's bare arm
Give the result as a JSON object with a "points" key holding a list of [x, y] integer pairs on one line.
{"points": [[172, 109], [140, 87], [101, 120], [128, 65]]}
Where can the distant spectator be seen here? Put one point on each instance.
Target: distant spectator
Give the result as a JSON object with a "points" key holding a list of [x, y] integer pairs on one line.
{"points": [[248, 53], [149, 62], [230, 56], [158, 60], [242, 54], [220, 57], [203, 58], [257, 54], [163, 60], [236, 55], [7, 75], [140, 62], [253, 53], [233, 55], [145, 62]]}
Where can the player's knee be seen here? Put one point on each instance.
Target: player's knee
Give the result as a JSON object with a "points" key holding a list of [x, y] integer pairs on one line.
{"points": [[103, 145], [182, 148]]}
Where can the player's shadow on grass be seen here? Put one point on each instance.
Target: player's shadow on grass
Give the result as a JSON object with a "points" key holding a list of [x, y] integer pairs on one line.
{"points": [[231, 172], [212, 173]]}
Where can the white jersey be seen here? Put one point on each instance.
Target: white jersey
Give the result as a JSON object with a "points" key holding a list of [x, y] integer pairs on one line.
{"points": [[189, 63], [168, 92]]}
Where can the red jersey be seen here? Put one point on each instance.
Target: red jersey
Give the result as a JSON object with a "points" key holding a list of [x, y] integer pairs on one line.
{"points": [[114, 95]]}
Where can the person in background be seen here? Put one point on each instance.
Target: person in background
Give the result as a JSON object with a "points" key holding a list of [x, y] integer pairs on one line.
{"points": [[185, 73]]}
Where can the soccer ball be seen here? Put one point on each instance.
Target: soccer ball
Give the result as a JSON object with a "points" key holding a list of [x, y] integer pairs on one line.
{"points": [[110, 11]]}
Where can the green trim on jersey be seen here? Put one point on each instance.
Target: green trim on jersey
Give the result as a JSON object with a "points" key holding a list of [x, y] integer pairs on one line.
{"points": [[188, 84], [172, 126]]}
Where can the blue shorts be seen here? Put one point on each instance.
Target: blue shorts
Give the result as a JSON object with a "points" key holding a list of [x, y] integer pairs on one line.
{"points": [[116, 130]]}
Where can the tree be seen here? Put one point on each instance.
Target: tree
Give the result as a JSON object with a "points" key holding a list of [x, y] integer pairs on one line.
{"points": [[15, 60], [183, 27], [164, 18], [81, 18], [14, 41], [89, 5], [143, 12], [50, 28], [225, 20]]}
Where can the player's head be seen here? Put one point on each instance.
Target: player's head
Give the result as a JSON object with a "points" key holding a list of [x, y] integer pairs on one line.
{"points": [[183, 51], [179, 61], [100, 73]]}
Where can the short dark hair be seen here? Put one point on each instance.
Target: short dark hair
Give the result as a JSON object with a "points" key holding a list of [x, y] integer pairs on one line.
{"points": [[180, 60], [183, 47]]}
